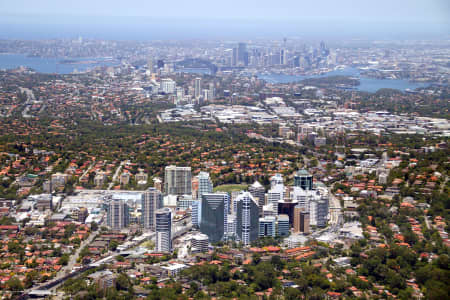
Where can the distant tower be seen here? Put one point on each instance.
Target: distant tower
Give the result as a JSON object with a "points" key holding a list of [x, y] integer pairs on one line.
{"points": [[151, 201], [150, 65], [234, 57], [212, 91], [118, 215], [197, 87], [247, 218], [163, 230], [242, 54]]}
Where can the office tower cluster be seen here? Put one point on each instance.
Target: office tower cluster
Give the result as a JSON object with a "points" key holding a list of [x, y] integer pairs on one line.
{"points": [[239, 216], [299, 206]]}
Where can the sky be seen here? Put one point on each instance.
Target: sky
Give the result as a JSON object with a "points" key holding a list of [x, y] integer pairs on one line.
{"points": [[206, 18]]}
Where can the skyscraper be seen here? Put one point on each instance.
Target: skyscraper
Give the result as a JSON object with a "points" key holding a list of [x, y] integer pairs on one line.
{"points": [[304, 222], [242, 54], [267, 226], [283, 225], [275, 195], [151, 201], [234, 57], [214, 213], [196, 213], [247, 218], [177, 180], [212, 91], [303, 179], [297, 211], [118, 214], [204, 184], [197, 87], [163, 230], [258, 192]]}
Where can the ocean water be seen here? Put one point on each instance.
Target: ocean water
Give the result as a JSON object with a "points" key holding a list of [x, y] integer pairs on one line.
{"points": [[367, 84], [51, 65]]}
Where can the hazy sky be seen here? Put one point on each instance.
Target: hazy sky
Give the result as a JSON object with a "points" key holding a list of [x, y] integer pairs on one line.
{"points": [[394, 10], [431, 16]]}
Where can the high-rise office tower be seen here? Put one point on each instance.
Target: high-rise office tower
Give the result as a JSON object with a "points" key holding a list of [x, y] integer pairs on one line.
{"points": [[118, 214], [258, 192], [275, 195], [267, 226], [322, 211], [151, 201], [177, 180], [283, 225], [163, 230], [197, 87], [242, 54], [214, 213], [234, 57], [247, 218], [303, 179], [297, 211], [205, 185], [304, 222], [283, 57], [318, 211], [196, 213]]}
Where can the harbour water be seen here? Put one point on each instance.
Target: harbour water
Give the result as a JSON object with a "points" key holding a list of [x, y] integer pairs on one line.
{"points": [[55, 65], [52, 65], [366, 84]]}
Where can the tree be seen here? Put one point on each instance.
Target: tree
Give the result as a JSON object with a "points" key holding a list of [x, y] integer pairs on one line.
{"points": [[64, 259], [113, 245], [94, 226], [14, 284]]}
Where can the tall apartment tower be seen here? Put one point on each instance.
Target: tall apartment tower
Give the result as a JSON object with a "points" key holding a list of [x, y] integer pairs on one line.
{"points": [[247, 218], [151, 201], [163, 218], [177, 180], [197, 87], [303, 179], [214, 214], [258, 193], [205, 185], [118, 214]]}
